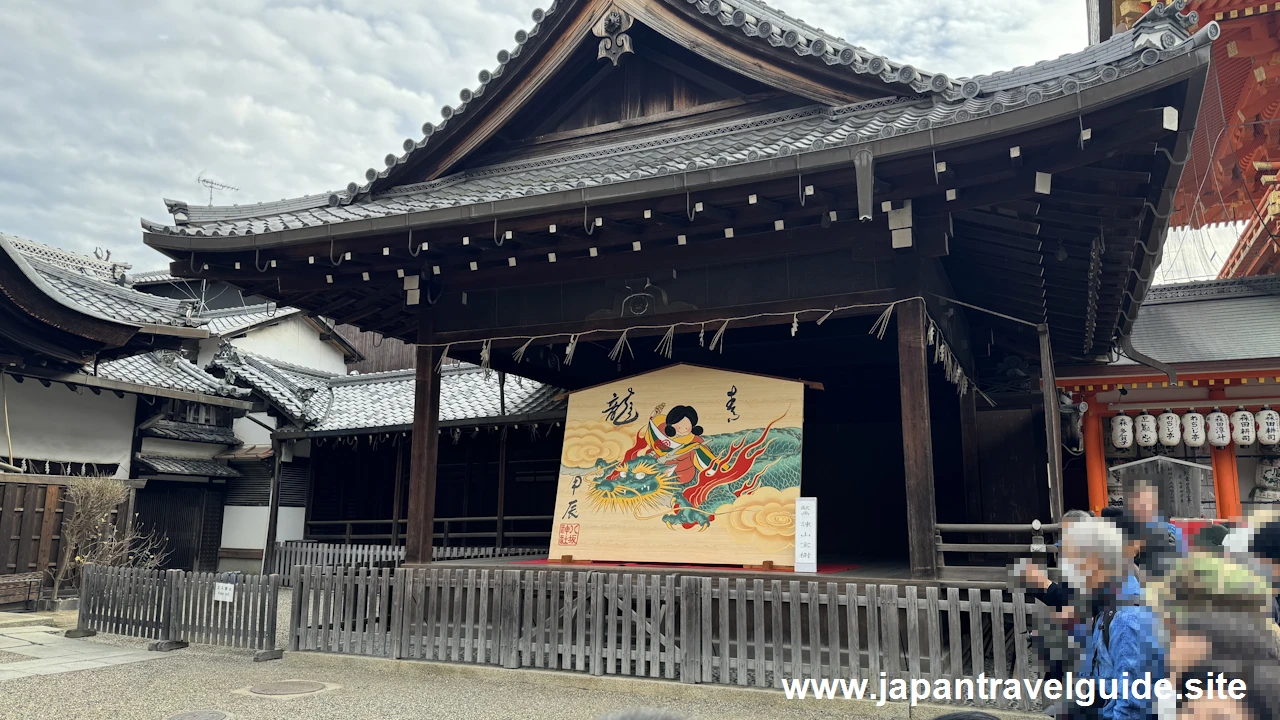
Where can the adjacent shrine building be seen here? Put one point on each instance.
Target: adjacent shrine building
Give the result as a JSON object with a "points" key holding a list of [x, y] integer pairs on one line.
{"points": [[639, 184]]}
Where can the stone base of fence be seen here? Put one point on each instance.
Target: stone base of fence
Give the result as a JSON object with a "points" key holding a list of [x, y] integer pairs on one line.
{"points": [[79, 633], [166, 645]]}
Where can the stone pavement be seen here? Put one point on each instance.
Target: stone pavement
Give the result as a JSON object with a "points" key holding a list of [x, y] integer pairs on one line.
{"points": [[52, 654]]}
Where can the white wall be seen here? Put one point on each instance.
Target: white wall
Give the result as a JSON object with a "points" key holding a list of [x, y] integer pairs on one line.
{"points": [[292, 340], [250, 432], [246, 527], [55, 423]]}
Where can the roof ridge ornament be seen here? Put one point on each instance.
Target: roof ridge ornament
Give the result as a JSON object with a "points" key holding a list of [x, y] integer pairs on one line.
{"points": [[612, 28]]}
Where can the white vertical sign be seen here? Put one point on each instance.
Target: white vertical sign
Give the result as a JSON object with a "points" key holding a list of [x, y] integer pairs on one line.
{"points": [[224, 592], [807, 534]]}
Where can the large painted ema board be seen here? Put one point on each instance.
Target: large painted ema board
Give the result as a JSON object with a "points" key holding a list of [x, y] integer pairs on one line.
{"points": [[685, 464]]}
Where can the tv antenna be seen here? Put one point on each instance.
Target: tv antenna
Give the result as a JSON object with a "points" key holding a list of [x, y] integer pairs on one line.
{"points": [[213, 185]]}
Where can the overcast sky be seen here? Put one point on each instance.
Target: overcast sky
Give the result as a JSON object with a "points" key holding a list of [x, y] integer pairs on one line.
{"points": [[107, 106]]}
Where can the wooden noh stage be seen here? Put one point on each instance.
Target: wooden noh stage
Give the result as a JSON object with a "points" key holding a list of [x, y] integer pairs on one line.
{"points": [[641, 184]]}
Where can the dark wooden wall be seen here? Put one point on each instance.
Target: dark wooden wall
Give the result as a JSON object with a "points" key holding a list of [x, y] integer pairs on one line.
{"points": [[380, 353], [188, 516], [31, 516]]}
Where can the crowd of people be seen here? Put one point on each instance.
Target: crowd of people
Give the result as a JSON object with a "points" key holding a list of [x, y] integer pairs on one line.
{"points": [[1135, 598]]}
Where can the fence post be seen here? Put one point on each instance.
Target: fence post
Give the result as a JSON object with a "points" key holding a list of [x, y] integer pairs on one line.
{"points": [[81, 629], [509, 614], [169, 639], [691, 629], [270, 651], [295, 607]]}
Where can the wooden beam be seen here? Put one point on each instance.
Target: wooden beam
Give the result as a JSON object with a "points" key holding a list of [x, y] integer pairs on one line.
{"points": [[692, 75], [502, 483], [970, 457], [917, 442], [426, 444], [273, 509], [1052, 424]]}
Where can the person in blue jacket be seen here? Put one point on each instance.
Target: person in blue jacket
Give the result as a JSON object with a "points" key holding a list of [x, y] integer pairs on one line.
{"points": [[1142, 501], [1121, 642]]}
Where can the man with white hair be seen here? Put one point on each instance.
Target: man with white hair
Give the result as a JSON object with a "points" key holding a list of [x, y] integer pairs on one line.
{"points": [[1121, 644]]}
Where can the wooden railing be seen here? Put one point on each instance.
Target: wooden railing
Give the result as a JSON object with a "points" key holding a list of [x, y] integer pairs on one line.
{"points": [[175, 608], [696, 628], [1037, 545], [331, 555], [447, 530]]}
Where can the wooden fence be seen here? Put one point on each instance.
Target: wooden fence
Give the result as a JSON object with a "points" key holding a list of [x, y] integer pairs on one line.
{"points": [[31, 511], [697, 629], [175, 608], [334, 555]]}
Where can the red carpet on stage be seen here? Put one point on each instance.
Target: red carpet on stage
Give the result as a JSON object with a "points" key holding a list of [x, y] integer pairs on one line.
{"points": [[823, 568]]}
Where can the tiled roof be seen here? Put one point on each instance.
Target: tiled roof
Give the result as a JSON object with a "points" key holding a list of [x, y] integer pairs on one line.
{"points": [[167, 465], [1212, 321], [87, 285], [166, 369], [288, 387], [1161, 35], [234, 320], [150, 277], [191, 432], [83, 264], [326, 403], [386, 399]]}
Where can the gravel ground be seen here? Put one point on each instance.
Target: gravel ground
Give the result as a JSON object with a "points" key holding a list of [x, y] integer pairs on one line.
{"points": [[8, 657], [211, 678]]}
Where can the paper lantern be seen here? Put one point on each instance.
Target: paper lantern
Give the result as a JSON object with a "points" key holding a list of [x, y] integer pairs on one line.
{"points": [[1146, 433], [1193, 429], [1268, 426], [1170, 428], [1218, 428], [1122, 432], [1242, 427]]}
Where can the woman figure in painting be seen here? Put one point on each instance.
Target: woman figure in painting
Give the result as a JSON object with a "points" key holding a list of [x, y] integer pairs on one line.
{"points": [[676, 440]]}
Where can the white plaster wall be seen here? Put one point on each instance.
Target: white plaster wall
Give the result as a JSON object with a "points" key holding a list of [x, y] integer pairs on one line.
{"points": [[246, 527], [251, 432], [180, 448], [293, 341], [56, 423]]}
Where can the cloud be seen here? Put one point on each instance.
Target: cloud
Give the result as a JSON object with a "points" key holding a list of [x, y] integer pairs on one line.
{"points": [[107, 106]]}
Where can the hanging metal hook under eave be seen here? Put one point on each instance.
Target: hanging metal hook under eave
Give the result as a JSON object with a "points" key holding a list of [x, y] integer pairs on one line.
{"points": [[340, 259], [412, 252], [256, 251], [1126, 344]]}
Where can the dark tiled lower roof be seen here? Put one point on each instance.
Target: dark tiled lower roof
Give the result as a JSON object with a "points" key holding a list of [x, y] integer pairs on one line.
{"points": [[166, 369], [168, 465], [191, 432]]}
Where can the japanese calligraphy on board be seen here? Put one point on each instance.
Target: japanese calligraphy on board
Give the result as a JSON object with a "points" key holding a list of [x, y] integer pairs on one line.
{"points": [[686, 465]]}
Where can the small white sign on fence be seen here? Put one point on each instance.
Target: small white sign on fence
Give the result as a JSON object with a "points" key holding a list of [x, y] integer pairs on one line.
{"points": [[224, 592], [807, 534]]}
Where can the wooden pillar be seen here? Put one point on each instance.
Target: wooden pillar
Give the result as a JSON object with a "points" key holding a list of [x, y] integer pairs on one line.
{"points": [[917, 443], [970, 457], [396, 499], [1052, 424], [273, 509], [1226, 473], [502, 484], [426, 445], [1095, 460]]}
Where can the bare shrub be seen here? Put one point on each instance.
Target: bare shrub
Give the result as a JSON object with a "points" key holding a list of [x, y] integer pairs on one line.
{"points": [[89, 535]]}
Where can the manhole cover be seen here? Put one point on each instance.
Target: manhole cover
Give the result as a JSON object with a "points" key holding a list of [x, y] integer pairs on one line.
{"points": [[287, 687], [200, 715]]}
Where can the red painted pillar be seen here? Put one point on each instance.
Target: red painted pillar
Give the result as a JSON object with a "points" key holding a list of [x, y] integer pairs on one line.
{"points": [[1226, 473], [1095, 462]]}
